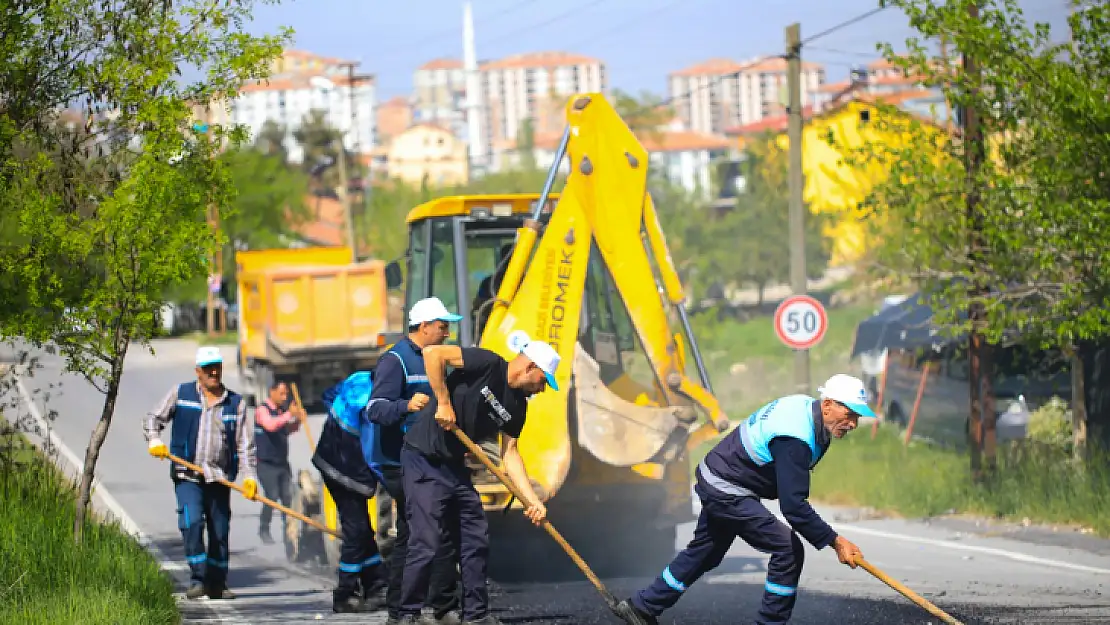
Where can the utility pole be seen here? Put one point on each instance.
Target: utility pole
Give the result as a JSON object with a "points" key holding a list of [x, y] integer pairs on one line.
{"points": [[797, 209], [981, 421], [216, 258]]}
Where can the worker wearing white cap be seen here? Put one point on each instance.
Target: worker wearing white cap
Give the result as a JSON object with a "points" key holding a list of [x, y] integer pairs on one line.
{"points": [[484, 395], [208, 428], [769, 456]]}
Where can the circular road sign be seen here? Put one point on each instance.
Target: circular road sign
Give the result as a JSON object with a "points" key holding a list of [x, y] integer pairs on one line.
{"points": [[800, 322]]}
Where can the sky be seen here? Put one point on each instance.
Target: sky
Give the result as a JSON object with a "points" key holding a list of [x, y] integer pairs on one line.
{"points": [[640, 41]]}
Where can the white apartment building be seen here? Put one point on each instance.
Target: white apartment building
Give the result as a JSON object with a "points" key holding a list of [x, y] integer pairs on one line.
{"points": [[533, 86], [289, 95], [721, 93], [439, 95]]}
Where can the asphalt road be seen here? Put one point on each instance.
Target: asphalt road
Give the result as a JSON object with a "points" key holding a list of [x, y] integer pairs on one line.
{"points": [[978, 573]]}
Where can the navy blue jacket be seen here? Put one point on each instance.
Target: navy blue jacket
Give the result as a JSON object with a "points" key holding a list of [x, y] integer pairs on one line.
{"points": [[398, 377]]}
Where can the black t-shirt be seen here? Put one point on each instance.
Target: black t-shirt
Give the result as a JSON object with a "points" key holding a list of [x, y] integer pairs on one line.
{"points": [[483, 401]]}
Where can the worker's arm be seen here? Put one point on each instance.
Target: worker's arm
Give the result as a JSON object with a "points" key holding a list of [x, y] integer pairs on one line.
{"points": [[436, 359], [514, 468], [386, 406], [269, 421], [792, 458], [245, 435], [157, 420]]}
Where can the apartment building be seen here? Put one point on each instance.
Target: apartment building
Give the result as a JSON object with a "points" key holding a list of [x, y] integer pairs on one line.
{"points": [[885, 81], [439, 95], [292, 92], [395, 115], [722, 93]]}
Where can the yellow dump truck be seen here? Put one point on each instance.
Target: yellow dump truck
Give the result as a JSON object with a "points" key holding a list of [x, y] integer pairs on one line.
{"points": [[309, 316], [589, 272]]}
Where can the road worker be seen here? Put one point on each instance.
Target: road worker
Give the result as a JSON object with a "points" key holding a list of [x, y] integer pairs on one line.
{"points": [[769, 456], [209, 428], [483, 395], [341, 457], [401, 389], [274, 421]]}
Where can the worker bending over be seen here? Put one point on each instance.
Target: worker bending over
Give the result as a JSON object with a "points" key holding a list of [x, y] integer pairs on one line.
{"points": [[342, 457], [484, 394], [768, 456], [401, 389], [209, 429], [274, 421]]}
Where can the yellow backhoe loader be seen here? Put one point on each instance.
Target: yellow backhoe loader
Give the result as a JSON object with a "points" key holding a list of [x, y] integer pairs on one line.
{"points": [[590, 273]]}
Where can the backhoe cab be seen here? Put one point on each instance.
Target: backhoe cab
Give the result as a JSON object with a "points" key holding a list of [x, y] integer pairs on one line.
{"points": [[588, 271]]}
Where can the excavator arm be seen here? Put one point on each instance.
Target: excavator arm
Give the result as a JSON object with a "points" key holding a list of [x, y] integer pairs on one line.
{"points": [[604, 218]]}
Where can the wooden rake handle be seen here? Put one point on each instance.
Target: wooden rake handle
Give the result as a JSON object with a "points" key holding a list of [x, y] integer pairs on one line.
{"points": [[585, 568], [303, 417], [906, 592], [269, 502]]}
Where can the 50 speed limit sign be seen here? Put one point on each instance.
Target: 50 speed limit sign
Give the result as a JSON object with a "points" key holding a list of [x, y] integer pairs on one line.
{"points": [[800, 322]]}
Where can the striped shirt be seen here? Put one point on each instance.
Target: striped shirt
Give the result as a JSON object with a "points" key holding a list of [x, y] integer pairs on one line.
{"points": [[211, 452]]}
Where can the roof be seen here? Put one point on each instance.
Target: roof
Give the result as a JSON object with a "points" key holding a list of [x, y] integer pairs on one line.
{"points": [[329, 226], [296, 82], [774, 123], [395, 102], [304, 54], [456, 205], [778, 123], [661, 141], [833, 87], [539, 59], [722, 66], [441, 63]]}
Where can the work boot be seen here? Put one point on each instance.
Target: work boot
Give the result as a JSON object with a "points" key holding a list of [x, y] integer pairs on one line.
{"points": [[402, 620], [631, 615], [195, 591], [489, 619], [374, 599], [349, 605], [264, 534], [451, 618], [221, 592]]}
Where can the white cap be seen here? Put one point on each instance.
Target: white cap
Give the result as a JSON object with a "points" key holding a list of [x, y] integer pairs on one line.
{"points": [[849, 391], [209, 355], [431, 309], [545, 356]]}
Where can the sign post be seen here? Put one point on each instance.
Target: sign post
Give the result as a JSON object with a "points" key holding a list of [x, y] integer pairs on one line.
{"points": [[800, 323]]}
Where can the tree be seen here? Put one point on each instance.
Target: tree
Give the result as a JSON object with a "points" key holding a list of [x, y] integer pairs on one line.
{"points": [[645, 116], [1041, 197], [271, 140], [526, 144], [102, 217], [320, 142]]}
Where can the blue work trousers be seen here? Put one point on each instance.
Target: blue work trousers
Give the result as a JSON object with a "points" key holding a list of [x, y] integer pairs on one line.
{"points": [[360, 563], [440, 496], [200, 506], [722, 519]]}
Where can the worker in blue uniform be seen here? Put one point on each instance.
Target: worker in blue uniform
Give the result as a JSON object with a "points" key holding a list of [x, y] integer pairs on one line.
{"points": [[209, 428], [401, 389], [342, 457], [769, 456]]}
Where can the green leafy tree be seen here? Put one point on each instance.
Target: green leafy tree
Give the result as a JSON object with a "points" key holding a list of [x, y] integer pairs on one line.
{"points": [[1015, 223], [526, 144], [271, 140], [105, 214], [321, 144], [645, 115]]}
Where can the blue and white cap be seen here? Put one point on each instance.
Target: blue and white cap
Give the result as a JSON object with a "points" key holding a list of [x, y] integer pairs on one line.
{"points": [[545, 356], [849, 391], [209, 355]]}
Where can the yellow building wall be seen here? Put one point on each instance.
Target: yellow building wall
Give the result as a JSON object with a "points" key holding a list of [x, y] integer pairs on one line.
{"points": [[426, 150], [833, 187]]}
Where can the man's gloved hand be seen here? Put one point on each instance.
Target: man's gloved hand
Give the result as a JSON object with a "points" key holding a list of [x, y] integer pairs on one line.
{"points": [[250, 488], [158, 449]]}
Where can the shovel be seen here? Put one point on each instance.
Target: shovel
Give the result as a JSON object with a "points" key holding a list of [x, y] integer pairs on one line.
{"points": [[269, 502], [906, 592], [477, 452]]}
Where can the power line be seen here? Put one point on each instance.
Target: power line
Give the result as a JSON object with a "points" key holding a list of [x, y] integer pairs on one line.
{"points": [[720, 77], [627, 22], [865, 55], [844, 24]]}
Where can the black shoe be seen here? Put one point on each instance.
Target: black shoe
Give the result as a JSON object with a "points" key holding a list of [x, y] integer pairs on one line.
{"points": [[375, 599], [403, 620], [267, 539], [629, 614], [195, 591], [349, 605], [451, 618]]}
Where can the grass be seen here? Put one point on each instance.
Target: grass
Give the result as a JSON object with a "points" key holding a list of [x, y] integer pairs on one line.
{"points": [[226, 338], [46, 578], [924, 480]]}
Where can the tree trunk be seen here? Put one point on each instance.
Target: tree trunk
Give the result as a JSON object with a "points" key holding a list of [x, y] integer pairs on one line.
{"points": [[760, 289], [1078, 406], [987, 404], [92, 453], [974, 421]]}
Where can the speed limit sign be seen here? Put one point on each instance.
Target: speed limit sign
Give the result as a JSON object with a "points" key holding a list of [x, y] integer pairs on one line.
{"points": [[800, 322]]}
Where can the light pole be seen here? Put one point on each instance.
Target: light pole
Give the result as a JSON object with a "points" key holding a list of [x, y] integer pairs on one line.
{"points": [[324, 84]]}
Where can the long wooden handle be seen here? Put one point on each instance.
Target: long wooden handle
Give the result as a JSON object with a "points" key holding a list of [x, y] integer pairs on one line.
{"points": [[906, 592], [303, 417], [590, 575], [268, 502]]}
